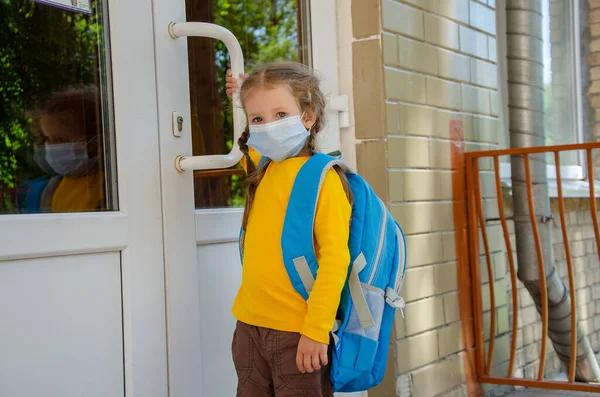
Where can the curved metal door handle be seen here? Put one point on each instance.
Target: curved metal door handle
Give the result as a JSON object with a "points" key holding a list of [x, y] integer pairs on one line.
{"points": [[201, 29]]}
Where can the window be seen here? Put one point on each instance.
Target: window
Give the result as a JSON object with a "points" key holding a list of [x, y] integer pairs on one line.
{"points": [[268, 30], [56, 133], [562, 75]]}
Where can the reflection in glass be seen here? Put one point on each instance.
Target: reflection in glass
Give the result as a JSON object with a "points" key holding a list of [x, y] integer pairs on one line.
{"points": [[54, 102], [268, 30]]}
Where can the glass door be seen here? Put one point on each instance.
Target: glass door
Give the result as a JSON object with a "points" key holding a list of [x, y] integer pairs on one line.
{"points": [[81, 255]]}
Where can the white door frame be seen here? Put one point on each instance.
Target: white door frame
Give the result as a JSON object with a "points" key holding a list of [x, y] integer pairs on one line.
{"points": [[136, 229], [323, 21], [181, 270], [134, 89]]}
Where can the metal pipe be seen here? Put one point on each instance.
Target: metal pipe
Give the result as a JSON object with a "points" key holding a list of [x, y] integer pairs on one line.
{"points": [[541, 268], [526, 125], [563, 228]]}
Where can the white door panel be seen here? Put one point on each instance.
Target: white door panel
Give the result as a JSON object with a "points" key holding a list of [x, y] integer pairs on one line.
{"points": [[62, 326], [218, 281], [218, 226], [82, 294], [44, 235]]}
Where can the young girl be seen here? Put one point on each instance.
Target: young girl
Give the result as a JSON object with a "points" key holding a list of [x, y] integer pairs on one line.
{"points": [[281, 342], [69, 151]]}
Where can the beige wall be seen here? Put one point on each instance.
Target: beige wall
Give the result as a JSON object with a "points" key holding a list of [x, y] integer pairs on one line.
{"points": [[417, 65], [440, 65]]}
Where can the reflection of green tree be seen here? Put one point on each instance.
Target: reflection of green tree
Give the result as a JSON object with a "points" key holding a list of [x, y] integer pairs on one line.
{"points": [[42, 50], [267, 31]]}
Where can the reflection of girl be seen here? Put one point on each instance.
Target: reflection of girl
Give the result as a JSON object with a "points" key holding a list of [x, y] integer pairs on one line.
{"points": [[72, 152]]}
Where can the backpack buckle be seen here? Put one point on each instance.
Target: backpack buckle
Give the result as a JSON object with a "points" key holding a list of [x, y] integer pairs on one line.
{"points": [[395, 300]]}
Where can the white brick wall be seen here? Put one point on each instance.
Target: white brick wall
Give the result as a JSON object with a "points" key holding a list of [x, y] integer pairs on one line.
{"points": [[440, 65]]}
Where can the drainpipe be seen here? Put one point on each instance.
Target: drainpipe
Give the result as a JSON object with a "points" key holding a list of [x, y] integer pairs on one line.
{"points": [[526, 125]]}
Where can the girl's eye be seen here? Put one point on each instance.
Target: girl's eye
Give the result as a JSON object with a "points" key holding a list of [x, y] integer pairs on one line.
{"points": [[257, 120], [281, 115]]}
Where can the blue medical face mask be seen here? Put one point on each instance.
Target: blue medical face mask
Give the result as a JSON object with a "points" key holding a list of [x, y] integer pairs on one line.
{"points": [[39, 156], [70, 159], [279, 140]]}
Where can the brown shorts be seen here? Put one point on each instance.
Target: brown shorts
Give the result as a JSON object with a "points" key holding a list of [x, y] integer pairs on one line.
{"points": [[265, 361]]}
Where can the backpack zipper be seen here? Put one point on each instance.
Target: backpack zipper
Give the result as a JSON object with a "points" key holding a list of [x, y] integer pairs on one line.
{"points": [[401, 261], [380, 247]]}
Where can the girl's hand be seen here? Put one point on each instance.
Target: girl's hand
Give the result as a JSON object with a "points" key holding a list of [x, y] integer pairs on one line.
{"points": [[231, 82], [311, 355]]}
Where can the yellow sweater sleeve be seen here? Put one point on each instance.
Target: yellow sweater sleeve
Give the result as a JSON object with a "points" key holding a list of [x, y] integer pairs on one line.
{"points": [[332, 230]]}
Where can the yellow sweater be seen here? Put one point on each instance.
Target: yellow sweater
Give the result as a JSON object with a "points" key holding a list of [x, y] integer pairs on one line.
{"points": [[266, 297], [79, 194]]}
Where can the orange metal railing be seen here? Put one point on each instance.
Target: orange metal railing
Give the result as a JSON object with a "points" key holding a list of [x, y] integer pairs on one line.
{"points": [[477, 224]]}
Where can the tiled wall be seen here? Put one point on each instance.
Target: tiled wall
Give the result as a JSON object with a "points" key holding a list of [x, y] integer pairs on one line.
{"points": [[439, 65], [416, 66]]}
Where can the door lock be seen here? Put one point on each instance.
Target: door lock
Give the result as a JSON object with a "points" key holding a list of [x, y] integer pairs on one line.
{"points": [[177, 125]]}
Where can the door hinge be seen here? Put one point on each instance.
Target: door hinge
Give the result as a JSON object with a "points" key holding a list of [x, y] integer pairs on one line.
{"points": [[340, 103]]}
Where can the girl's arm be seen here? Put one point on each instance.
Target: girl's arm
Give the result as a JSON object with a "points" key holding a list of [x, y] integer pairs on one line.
{"points": [[332, 230]]}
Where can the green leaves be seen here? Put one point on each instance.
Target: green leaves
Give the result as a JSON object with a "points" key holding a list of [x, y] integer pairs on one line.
{"points": [[43, 49], [267, 31]]}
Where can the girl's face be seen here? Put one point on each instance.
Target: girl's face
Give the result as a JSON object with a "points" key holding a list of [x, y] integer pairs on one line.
{"points": [[61, 127], [265, 105], [64, 127]]}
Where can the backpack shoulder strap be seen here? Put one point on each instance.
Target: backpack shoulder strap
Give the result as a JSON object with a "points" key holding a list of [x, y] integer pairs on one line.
{"points": [[263, 160], [297, 237], [48, 193]]}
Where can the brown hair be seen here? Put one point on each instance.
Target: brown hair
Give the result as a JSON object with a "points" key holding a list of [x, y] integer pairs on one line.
{"points": [[305, 87], [82, 107]]}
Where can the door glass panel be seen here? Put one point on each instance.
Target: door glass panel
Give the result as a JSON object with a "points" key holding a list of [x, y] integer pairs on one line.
{"points": [[268, 30], [56, 142]]}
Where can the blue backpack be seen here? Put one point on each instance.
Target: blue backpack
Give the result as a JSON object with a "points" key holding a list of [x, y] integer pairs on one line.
{"points": [[371, 294]]}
